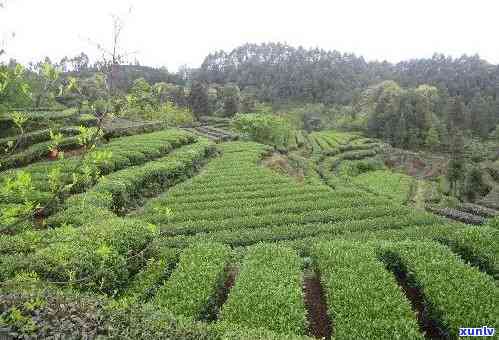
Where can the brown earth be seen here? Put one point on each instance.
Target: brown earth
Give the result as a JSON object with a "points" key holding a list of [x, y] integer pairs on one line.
{"points": [[428, 326], [319, 322]]}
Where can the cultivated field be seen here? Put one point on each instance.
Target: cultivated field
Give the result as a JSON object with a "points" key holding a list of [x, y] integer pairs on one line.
{"points": [[206, 232]]}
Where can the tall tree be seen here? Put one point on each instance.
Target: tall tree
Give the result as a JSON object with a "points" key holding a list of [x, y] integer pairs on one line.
{"points": [[48, 75], [432, 141], [456, 166], [456, 117], [198, 99], [231, 99]]}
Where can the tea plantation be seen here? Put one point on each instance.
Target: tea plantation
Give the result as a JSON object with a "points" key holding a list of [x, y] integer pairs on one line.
{"points": [[185, 238]]}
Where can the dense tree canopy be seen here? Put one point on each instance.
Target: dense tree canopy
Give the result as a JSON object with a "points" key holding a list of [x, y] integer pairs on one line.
{"points": [[280, 71]]}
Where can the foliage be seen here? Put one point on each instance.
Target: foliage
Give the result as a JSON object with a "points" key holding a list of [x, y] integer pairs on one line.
{"points": [[474, 185], [15, 91], [271, 275], [147, 102], [119, 190], [48, 76], [140, 95], [231, 99], [194, 282], [168, 112], [430, 267], [101, 160], [222, 198], [19, 186], [19, 142], [234, 201], [386, 184], [432, 140], [365, 302], [495, 134], [87, 248], [146, 283], [198, 99], [39, 151], [455, 172], [55, 140], [494, 223], [263, 128], [355, 168], [32, 315], [418, 102], [129, 184], [95, 256]]}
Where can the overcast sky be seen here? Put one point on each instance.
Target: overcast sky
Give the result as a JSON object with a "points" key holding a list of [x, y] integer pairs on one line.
{"points": [[172, 33]]}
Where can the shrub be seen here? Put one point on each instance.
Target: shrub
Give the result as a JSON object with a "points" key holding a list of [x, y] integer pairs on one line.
{"points": [[51, 315], [263, 128], [268, 292], [494, 223], [364, 299], [145, 283], [118, 191], [449, 286], [87, 120], [195, 280], [122, 152], [96, 256]]}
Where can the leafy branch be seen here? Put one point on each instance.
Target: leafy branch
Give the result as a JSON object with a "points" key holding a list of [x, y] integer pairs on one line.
{"points": [[85, 171]]}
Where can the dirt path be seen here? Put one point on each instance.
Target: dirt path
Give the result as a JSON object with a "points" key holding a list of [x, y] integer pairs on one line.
{"points": [[223, 292], [428, 326], [319, 322]]}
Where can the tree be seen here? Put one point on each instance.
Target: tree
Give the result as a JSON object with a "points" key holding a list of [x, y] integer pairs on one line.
{"points": [[495, 134], [474, 185], [455, 170], [432, 141], [160, 92], [445, 139], [72, 93], [213, 100], [456, 114], [356, 103], [85, 91], [248, 103], [178, 96], [48, 75], [401, 133], [388, 104], [141, 95], [15, 91], [79, 63], [456, 166], [198, 99], [249, 99], [231, 99], [263, 128], [112, 57]]}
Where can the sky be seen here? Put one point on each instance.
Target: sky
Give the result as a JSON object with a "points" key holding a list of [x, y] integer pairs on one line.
{"points": [[182, 32]]}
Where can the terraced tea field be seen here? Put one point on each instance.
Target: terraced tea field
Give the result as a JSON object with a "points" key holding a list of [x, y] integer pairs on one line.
{"points": [[204, 231]]}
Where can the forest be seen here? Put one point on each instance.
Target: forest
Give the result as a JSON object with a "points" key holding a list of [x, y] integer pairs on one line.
{"points": [[273, 192]]}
